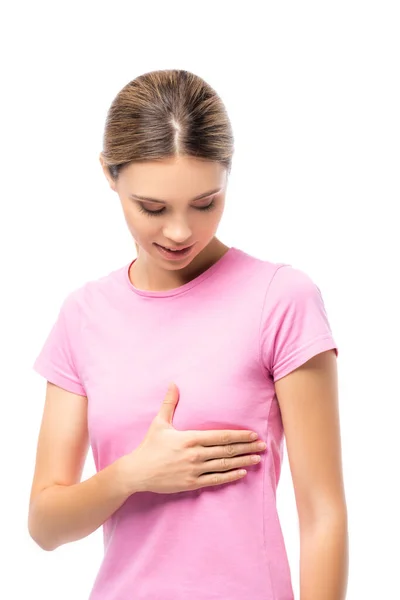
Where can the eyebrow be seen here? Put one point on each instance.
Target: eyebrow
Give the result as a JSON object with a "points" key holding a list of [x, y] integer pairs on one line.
{"points": [[164, 201]]}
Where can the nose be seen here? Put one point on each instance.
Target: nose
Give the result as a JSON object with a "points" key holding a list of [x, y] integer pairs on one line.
{"points": [[179, 234]]}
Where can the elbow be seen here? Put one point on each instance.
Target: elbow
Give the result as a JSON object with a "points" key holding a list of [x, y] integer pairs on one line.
{"points": [[40, 543], [35, 534], [324, 513]]}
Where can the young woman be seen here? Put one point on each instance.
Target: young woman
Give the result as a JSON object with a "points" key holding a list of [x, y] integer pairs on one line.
{"points": [[247, 346]]}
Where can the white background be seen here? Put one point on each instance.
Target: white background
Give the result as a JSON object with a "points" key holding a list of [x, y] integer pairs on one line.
{"points": [[312, 90]]}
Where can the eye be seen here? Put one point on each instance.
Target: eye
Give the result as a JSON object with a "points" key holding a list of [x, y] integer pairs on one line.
{"points": [[150, 212], [154, 213]]}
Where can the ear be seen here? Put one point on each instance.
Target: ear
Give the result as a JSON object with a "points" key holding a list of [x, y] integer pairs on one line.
{"points": [[107, 173]]}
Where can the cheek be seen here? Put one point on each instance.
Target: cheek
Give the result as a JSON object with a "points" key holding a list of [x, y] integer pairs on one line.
{"points": [[214, 219], [140, 226]]}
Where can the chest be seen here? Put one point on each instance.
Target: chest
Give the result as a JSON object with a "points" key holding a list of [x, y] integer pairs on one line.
{"points": [[127, 368]]}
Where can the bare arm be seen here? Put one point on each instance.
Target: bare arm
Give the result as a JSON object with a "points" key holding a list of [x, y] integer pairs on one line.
{"points": [[308, 399], [61, 514], [324, 558], [62, 508]]}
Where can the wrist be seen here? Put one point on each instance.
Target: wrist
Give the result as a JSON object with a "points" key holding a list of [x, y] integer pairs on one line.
{"points": [[128, 482]]}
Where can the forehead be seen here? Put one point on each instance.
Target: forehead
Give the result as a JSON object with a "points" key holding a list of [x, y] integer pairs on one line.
{"points": [[169, 179]]}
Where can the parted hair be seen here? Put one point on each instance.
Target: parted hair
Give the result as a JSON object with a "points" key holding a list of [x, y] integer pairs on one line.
{"points": [[165, 114]]}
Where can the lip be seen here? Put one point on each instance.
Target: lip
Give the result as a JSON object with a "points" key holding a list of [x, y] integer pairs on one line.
{"points": [[168, 248], [170, 255]]}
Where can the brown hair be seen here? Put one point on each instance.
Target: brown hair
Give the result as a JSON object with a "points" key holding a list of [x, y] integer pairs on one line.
{"points": [[165, 114]]}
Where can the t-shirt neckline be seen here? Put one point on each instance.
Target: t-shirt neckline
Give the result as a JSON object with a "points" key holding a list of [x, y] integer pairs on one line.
{"points": [[182, 288]]}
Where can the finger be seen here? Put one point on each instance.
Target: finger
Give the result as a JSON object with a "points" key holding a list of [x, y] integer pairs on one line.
{"points": [[219, 478], [169, 403], [221, 437], [229, 450]]}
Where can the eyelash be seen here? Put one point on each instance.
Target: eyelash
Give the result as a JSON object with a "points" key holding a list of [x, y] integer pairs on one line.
{"points": [[153, 213]]}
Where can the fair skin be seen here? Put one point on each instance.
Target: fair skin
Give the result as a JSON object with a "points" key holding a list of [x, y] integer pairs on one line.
{"points": [[308, 396], [309, 404], [63, 509], [176, 182]]}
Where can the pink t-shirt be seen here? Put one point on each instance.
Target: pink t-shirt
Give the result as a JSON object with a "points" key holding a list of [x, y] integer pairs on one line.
{"points": [[224, 338]]}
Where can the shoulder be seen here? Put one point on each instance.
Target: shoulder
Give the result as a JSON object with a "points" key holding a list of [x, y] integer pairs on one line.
{"points": [[95, 290], [291, 282], [289, 288], [281, 277]]}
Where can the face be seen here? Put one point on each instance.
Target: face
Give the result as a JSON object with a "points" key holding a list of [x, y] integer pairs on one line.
{"points": [[180, 217]]}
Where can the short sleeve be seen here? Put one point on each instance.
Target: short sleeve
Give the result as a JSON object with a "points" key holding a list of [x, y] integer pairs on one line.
{"points": [[56, 360], [294, 323]]}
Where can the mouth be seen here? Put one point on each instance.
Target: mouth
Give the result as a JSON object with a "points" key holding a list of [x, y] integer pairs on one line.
{"points": [[171, 253]]}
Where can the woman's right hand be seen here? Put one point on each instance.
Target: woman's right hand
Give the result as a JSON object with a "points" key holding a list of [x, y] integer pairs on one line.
{"points": [[169, 461]]}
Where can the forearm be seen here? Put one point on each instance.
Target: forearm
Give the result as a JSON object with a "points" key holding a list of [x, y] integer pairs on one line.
{"points": [[324, 559], [62, 514]]}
